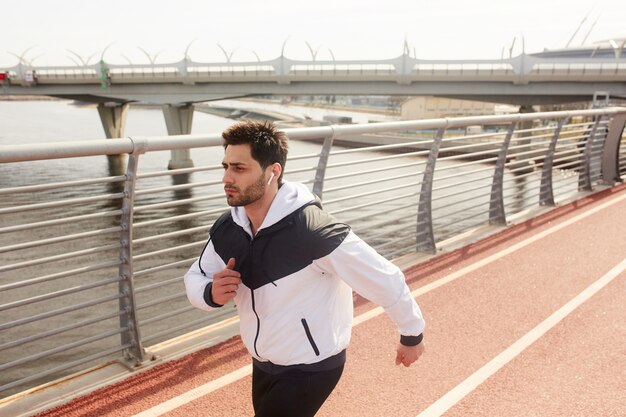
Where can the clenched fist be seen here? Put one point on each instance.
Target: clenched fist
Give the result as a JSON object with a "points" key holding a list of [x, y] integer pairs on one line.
{"points": [[406, 355], [225, 283]]}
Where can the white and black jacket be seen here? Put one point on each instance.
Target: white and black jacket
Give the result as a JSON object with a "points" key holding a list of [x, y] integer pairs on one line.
{"points": [[295, 305]]}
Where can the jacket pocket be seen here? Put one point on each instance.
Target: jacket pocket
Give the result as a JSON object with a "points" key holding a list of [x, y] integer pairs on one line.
{"points": [[310, 337]]}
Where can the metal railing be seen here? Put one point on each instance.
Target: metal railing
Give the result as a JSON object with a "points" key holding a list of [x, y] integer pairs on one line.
{"points": [[91, 268]]}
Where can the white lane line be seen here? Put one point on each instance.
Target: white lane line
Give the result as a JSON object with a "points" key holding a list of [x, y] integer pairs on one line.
{"points": [[459, 392], [196, 393], [243, 372]]}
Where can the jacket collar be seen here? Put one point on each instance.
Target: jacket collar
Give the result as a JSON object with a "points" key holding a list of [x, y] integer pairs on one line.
{"points": [[290, 197]]}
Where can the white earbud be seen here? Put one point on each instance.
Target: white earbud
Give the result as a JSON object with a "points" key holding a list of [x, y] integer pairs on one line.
{"points": [[271, 178]]}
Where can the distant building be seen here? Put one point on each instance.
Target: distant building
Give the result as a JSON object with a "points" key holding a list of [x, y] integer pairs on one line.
{"points": [[429, 107]]}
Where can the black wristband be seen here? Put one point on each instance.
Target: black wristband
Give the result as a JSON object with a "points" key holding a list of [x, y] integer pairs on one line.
{"points": [[207, 296], [411, 340]]}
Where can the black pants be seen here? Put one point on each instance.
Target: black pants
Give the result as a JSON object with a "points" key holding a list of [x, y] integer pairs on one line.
{"points": [[292, 393]]}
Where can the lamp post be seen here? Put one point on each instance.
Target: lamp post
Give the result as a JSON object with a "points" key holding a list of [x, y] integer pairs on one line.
{"points": [[151, 58], [226, 54], [83, 61], [22, 59], [187, 49]]}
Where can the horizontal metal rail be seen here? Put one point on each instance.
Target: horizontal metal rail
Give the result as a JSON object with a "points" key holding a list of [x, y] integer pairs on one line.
{"points": [[405, 207], [62, 348], [366, 194], [60, 239], [150, 223], [171, 234], [180, 171], [175, 187], [59, 330], [64, 203], [27, 189], [370, 182], [161, 284], [177, 203], [56, 294], [375, 170], [60, 275], [369, 204], [161, 301], [57, 222], [164, 251], [50, 259], [182, 263], [58, 312], [169, 314]]}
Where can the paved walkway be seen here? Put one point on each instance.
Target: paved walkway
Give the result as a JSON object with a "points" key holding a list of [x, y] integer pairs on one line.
{"points": [[529, 322]]}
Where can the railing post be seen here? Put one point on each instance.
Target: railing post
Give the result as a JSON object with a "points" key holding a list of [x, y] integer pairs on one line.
{"points": [[322, 163], [424, 208], [595, 161], [610, 154], [546, 192], [134, 354], [584, 176], [496, 203]]}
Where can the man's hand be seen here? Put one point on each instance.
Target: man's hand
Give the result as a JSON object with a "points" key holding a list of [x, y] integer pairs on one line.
{"points": [[406, 355], [225, 284]]}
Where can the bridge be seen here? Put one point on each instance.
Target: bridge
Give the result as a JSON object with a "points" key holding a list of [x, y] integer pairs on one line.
{"points": [[525, 79], [91, 266]]}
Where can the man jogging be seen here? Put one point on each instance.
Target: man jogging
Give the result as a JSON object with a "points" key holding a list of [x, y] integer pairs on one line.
{"points": [[290, 268]]}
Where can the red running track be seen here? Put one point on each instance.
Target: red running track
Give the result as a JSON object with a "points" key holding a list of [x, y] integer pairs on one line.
{"points": [[528, 322]]}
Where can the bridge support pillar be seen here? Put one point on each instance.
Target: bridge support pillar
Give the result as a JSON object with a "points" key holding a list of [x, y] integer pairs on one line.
{"points": [[113, 118], [178, 119]]}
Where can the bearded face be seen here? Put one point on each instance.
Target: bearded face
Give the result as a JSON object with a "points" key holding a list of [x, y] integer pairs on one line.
{"points": [[236, 196], [245, 181]]}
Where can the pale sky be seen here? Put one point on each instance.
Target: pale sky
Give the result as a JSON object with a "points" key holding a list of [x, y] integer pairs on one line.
{"points": [[351, 29]]}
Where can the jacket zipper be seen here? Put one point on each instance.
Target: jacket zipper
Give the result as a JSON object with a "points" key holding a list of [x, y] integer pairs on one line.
{"points": [[258, 324], [258, 319], [310, 337]]}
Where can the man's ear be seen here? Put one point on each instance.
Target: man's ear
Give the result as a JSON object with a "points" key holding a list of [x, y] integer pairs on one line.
{"points": [[277, 169]]}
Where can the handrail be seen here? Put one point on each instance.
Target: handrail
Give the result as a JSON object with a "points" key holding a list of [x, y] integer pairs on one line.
{"points": [[57, 150]]}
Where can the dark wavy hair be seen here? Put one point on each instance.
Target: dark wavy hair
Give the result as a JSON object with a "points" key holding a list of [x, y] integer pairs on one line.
{"points": [[268, 144]]}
